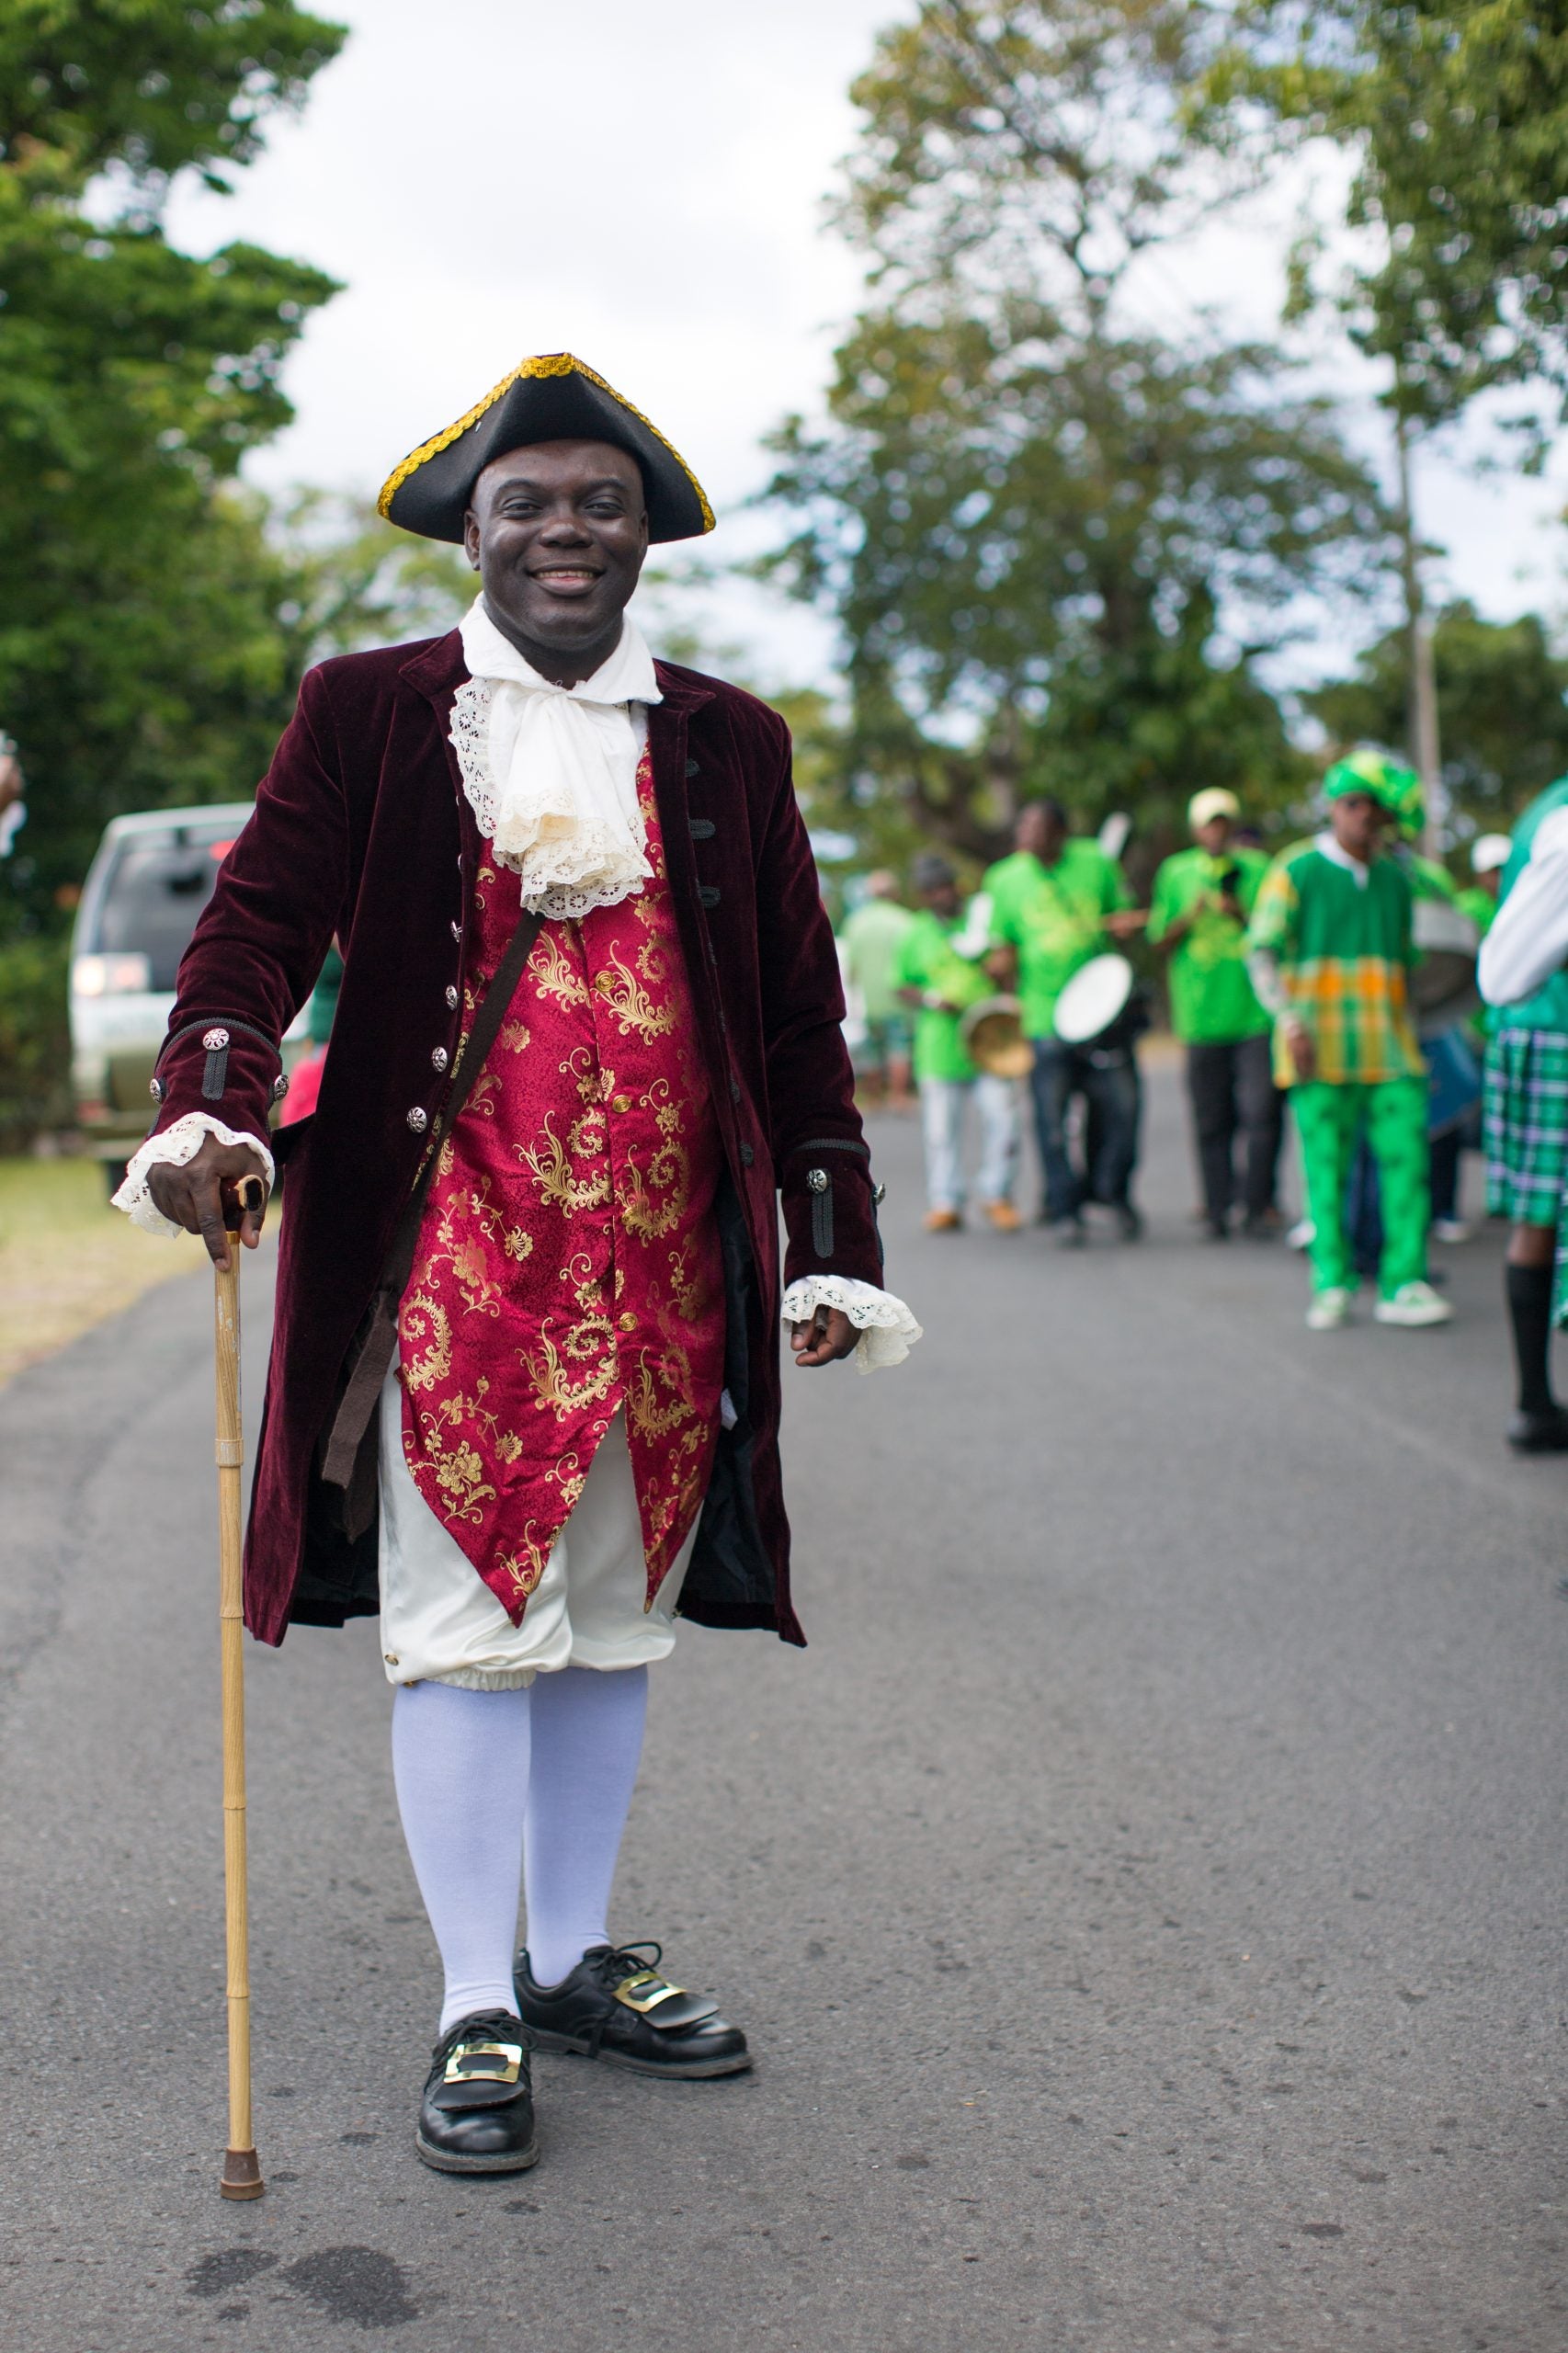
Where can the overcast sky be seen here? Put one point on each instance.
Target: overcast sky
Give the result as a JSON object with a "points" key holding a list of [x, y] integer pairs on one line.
{"points": [[642, 185]]}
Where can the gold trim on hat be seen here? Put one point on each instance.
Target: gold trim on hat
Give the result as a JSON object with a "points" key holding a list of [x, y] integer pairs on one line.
{"points": [[548, 363]]}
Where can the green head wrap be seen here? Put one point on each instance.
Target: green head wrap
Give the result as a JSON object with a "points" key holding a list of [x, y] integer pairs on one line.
{"points": [[1389, 782]]}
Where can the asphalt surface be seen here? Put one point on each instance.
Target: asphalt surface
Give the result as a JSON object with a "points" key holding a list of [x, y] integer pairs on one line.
{"points": [[1146, 1896]]}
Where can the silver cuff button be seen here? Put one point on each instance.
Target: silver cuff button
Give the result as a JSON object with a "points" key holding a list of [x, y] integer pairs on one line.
{"points": [[439, 1059], [817, 1179], [452, 999], [418, 1120]]}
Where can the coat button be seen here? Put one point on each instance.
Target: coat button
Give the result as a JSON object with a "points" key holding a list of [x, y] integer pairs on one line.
{"points": [[622, 1103], [604, 982], [628, 1322], [156, 1089], [279, 1088], [391, 1657], [817, 1179], [452, 999], [439, 1059], [747, 1156], [457, 931], [710, 894], [418, 1120]]}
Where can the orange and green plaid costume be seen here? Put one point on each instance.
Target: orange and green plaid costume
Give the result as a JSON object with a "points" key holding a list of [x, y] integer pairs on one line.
{"points": [[1343, 947], [1344, 951]]}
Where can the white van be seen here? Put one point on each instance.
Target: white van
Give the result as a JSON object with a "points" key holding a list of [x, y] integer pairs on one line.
{"points": [[153, 875]]}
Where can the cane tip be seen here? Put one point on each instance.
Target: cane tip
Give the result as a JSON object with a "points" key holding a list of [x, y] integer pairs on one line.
{"points": [[241, 2174]]}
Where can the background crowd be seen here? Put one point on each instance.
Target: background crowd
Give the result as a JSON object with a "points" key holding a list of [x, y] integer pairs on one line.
{"points": [[1336, 981]]}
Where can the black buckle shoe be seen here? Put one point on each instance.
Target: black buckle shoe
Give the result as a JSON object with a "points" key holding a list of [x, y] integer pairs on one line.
{"points": [[477, 2115], [615, 2005]]}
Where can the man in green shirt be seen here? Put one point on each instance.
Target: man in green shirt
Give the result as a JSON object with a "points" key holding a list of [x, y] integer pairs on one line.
{"points": [[1331, 950], [935, 976], [1052, 905], [1203, 897], [870, 940]]}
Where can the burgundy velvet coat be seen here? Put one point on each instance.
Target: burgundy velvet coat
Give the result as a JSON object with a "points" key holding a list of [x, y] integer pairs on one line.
{"points": [[362, 829]]}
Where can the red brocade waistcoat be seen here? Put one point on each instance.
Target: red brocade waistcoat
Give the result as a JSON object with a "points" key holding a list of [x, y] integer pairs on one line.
{"points": [[568, 1264]]}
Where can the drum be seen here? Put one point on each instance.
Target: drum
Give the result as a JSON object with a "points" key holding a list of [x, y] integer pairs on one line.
{"points": [[1453, 1080], [1095, 1001], [991, 1035], [1442, 985]]}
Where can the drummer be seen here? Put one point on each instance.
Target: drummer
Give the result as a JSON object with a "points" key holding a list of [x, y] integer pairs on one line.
{"points": [[1055, 904], [1202, 899], [934, 977], [1331, 948]]}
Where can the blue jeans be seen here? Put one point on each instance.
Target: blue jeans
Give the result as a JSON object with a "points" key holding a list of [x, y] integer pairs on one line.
{"points": [[1106, 1077]]}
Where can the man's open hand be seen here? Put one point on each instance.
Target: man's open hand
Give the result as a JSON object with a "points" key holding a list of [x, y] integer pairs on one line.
{"points": [[828, 1336], [194, 1196]]}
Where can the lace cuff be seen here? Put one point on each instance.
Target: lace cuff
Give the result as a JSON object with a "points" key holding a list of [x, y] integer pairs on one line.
{"points": [[888, 1331], [178, 1144]]}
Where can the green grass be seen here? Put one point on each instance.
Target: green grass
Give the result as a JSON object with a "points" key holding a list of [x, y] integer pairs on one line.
{"points": [[67, 1259]]}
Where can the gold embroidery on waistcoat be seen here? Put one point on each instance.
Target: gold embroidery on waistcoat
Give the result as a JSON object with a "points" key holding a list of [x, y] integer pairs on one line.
{"points": [[425, 1336], [553, 1387], [629, 1002], [550, 1167], [552, 971]]}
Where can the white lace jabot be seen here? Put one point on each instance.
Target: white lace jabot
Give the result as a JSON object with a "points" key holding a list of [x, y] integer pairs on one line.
{"points": [[550, 772]]}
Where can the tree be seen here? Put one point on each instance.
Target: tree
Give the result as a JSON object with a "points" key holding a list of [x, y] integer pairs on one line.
{"points": [[1056, 545], [141, 657], [1503, 697], [1456, 119]]}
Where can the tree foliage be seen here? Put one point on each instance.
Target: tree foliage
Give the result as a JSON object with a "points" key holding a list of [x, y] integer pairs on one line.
{"points": [[1502, 701], [1055, 544], [140, 659], [1457, 117]]}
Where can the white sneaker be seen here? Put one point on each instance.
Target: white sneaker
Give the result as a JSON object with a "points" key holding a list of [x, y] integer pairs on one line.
{"points": [[1414, 1304], [1329, 1310], [1302, 1234], [1449, 1229]]}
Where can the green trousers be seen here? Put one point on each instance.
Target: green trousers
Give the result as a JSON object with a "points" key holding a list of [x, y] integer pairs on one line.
{"points": [[1328, 1121]]}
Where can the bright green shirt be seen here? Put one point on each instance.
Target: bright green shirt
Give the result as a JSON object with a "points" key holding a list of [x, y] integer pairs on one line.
{"points": [[1344, 948], [872, 937], [1212, 1002], [1479, 904], [927, 960], [1054, 917]]}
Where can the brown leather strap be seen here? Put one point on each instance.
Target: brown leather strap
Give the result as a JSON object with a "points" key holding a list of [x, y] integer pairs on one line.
{"points": [[370, 1358]]}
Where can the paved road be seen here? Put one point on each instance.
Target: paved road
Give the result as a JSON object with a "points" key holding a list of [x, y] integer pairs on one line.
{"points": [[1146, 1894]]}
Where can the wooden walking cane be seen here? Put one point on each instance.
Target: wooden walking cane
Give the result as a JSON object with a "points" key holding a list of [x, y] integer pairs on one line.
{"points": [[242, 2173]]}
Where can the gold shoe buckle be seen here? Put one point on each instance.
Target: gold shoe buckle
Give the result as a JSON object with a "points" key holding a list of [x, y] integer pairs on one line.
{"points": [[634, 1991], [510, 2054]]}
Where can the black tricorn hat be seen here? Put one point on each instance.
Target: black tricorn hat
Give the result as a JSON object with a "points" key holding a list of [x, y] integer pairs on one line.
{"points": [[553, 397]]}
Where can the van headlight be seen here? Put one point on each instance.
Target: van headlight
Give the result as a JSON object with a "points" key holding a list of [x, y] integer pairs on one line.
{"points": [[110, 975]]}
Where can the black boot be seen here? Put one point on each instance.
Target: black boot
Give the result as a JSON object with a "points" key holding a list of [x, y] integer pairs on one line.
{"points": [[477, 2115], [616, 2006]]}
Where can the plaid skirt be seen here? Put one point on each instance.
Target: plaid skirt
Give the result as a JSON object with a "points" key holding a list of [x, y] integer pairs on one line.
{"points": [[1525, 1124]]}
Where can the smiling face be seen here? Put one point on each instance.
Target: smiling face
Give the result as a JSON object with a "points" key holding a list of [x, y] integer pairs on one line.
{"points": [[557, 533]]}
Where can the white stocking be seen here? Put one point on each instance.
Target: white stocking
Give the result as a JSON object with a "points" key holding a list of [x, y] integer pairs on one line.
{"points": [[460, 1763], [587, 1744]]}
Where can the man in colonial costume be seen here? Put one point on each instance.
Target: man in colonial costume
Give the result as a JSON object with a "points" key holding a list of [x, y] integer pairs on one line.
{"points": [[524, 1391]]}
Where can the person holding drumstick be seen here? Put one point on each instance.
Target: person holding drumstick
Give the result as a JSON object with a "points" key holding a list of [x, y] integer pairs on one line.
{"points": [[1331, 948], [1055, 904], [936, 977]]}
